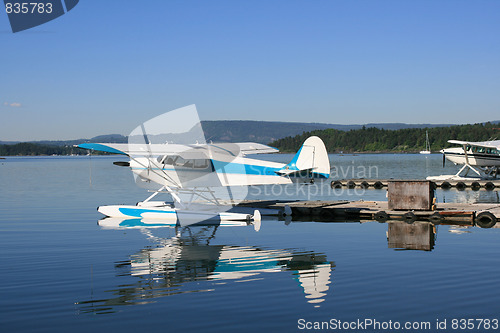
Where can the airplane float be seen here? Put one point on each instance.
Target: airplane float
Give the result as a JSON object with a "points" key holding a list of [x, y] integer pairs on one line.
{"points": [[169, 154], [482, 157]]}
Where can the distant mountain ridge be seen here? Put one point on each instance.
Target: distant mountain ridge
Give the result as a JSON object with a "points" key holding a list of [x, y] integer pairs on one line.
{"points": [[269, 131], [248, 131]]}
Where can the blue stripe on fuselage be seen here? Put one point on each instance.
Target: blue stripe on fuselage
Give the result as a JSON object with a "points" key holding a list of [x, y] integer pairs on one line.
{"points": [[243, 169], [248, 169]]}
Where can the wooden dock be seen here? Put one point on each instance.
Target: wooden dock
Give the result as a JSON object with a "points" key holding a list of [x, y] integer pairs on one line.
{"points": [[482, 214], [460, 185]]}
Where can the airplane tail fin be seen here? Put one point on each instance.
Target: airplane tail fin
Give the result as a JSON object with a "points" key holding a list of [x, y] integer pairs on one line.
{"points": [[311, 161]]}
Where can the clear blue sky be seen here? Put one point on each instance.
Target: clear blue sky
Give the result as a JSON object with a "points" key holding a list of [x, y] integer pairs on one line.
{"points": [[109, 65]]}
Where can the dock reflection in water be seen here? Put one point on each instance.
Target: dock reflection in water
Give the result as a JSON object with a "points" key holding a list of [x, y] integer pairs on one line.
{"points": [[416, 236], [176, 265]]}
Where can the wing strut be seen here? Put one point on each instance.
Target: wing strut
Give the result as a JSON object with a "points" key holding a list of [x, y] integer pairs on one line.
{"points": [[467, 164]]}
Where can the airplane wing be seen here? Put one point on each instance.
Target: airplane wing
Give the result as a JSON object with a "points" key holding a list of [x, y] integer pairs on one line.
{"points": [[486, 144], [135, 149], [245, 148], [248, 148], [115, 148]]}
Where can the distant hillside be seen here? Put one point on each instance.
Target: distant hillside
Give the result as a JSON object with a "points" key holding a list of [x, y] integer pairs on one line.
{"points": [[372, 139], [268, 131], [256, 131], [243, 131], [109, 138], [352, 137]]}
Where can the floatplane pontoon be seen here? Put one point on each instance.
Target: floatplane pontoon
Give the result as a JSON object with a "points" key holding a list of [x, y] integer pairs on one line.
{"points": [[205, 180], [483, 158]]}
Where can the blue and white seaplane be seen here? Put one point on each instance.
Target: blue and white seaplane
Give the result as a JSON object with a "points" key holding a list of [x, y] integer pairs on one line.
{"points": [[482, 157], [205, 180]]}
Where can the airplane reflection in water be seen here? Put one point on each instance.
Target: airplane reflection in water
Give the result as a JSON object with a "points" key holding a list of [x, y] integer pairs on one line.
{"points": [[175, 262]]}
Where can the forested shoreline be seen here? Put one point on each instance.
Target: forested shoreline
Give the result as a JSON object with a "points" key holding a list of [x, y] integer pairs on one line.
{"points": [[376, 140], [35, 149], [364, 140]]}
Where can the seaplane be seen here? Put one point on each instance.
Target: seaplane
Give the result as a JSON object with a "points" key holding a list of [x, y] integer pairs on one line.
{"points": [[205, 180], [482, 157]]}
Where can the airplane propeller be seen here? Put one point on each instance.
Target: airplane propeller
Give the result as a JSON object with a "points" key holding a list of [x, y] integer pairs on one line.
{"points": [[444, 160]]}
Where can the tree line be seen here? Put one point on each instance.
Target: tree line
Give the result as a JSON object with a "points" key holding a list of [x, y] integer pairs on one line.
{"points": [[366, 139], [381, 140], [35, 149]]}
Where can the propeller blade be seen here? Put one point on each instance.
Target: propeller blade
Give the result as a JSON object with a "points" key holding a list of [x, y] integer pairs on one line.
{"points": [[444, 160]]}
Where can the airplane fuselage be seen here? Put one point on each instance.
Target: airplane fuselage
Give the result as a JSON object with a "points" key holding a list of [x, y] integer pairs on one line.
{"points": [[237, 171], [476, 156]]}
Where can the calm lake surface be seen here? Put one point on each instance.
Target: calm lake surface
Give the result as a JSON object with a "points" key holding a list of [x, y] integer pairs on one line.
{"points": [[62, 272]]}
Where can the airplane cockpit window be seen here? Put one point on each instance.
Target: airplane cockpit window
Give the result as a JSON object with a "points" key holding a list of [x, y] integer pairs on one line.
{"points": [[476, 149], [179, 161], [201, 164], [167, 159], [182, 162], [492, 151]]}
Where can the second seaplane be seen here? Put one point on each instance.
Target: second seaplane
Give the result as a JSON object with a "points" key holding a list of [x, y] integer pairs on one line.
{"points": [[169, 154], [480, 157]]}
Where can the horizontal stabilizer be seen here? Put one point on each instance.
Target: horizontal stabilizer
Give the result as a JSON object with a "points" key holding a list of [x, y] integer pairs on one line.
{"points": [[295, 173]]}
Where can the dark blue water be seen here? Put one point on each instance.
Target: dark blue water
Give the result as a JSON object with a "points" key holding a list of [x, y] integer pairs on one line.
{"points": [[62, 272]]}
